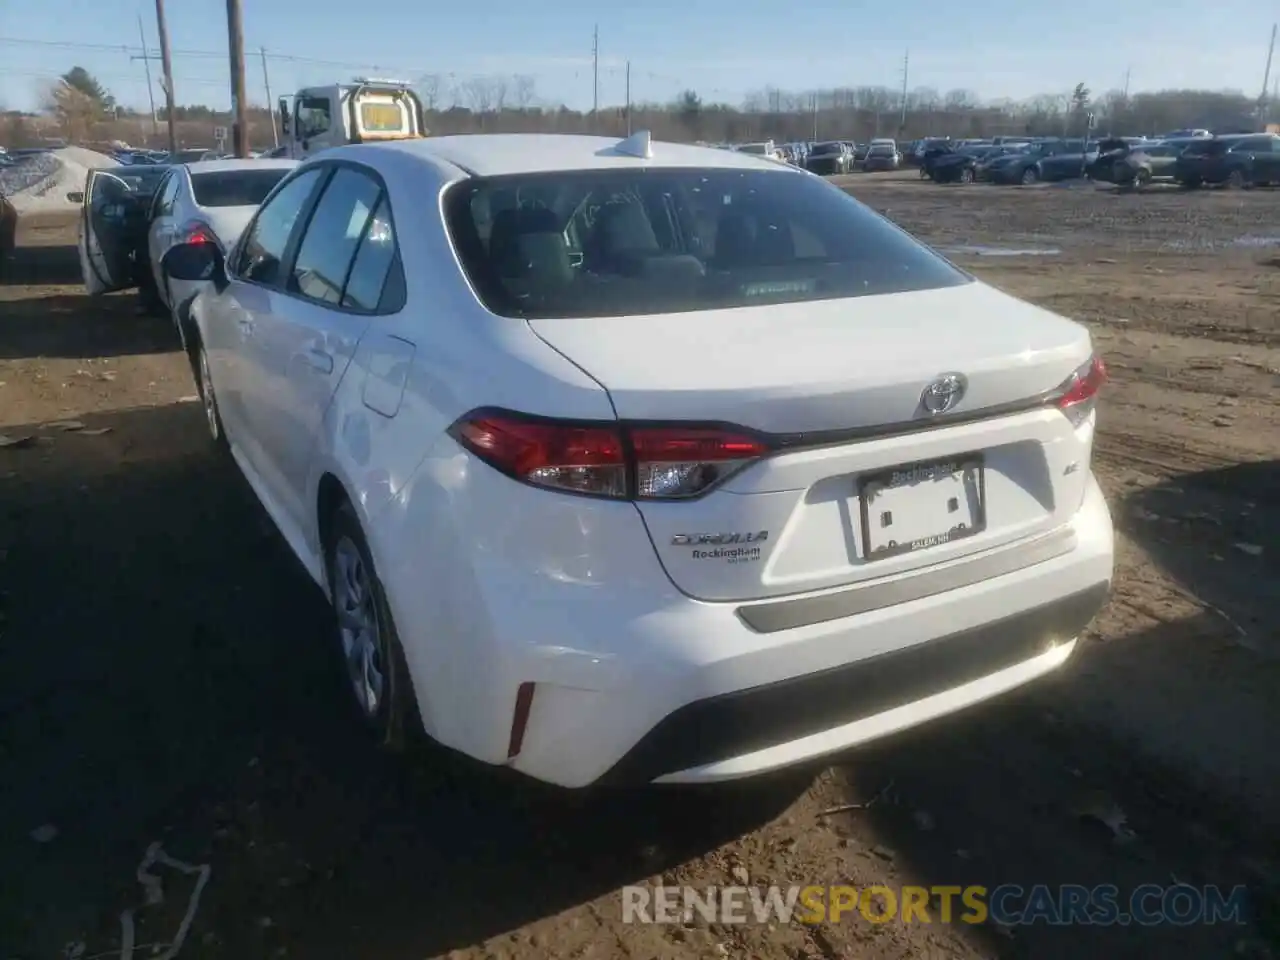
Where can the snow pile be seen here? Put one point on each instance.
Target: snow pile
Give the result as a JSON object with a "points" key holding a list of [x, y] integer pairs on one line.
{"points": [[41, 182]]}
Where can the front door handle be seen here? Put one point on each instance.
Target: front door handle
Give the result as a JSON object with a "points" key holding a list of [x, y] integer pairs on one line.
{"points": [[319, 360]]}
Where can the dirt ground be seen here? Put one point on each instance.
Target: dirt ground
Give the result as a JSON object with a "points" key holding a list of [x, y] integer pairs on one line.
{"points": [[166, 678]]}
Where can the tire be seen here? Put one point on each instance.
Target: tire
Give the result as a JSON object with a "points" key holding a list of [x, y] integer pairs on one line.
{"points": [[208, 399], [1030, 176], [366, 635], [1236, 181], [966, 175], [149, 298], [1141, 178], [924, 174]]}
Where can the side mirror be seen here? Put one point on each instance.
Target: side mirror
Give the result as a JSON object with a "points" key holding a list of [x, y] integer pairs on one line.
{"points": [[75, 196], [195, 261], [284, 116]]}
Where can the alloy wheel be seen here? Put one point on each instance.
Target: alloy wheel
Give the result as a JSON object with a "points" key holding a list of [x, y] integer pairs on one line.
{"points": [[359, 626]]}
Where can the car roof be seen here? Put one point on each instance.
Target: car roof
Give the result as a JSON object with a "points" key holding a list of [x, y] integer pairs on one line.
{"points": [[223, 166], [495, 154]]}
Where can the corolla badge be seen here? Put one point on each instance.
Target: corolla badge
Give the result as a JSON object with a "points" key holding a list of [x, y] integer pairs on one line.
{"points": [[944, 393]]}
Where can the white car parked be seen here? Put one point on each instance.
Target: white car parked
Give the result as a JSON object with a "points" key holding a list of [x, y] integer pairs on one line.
{"points": [[210, 201], [624, 462]]}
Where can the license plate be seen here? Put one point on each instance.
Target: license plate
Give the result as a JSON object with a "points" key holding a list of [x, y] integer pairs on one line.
{"points": [[920, 505]]}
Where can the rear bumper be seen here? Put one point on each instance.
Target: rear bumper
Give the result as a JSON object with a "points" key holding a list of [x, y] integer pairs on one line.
{"points": [[721, 736], [636, 682]]}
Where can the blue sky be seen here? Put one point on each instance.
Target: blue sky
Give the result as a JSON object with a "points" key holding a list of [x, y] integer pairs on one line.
{"points": [[722, 48]]}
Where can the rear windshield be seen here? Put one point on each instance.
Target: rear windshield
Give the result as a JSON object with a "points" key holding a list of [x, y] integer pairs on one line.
{"points": [[828, 148], [235, 188], [619, 243]]}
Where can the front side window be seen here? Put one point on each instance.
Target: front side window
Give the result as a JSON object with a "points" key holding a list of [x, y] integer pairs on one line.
{"points": [[619, 243], [264, 245], [313, 116]]}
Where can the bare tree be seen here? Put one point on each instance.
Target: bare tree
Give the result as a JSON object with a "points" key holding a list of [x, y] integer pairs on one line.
{"points": [[500, 87], [524, 92], [76, 111], [477, 94], [429, 90]]}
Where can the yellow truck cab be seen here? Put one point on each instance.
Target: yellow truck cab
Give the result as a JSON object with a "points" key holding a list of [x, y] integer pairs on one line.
{"points": [[362, 111]]}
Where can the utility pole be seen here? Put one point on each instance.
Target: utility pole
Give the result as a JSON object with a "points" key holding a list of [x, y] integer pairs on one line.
{"points": [[1127, 73], [271, 104], [166, 61], [815, 116], [906, 71], [1266, 77], [628, 98], [235, 44], [595, 74], [146, 65]]}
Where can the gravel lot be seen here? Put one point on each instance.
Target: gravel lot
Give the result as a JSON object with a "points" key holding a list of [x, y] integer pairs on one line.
{"points": [[166, 677]]}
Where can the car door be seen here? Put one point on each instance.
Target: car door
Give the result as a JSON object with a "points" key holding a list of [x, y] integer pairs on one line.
{"points": [[103, 241], [319, 321], [161, 229], [231, 317]]}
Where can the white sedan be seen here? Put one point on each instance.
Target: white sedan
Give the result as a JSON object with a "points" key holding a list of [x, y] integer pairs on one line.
{"points": [[633, 462], [208, 201]]}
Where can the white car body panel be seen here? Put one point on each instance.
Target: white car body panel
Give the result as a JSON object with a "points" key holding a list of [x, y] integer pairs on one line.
{"points": [[495, 583]]}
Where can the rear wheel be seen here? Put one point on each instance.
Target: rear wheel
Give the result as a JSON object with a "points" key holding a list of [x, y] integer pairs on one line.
{"points": [[367, 637], [1141, 178], [1030, 176], [966, 175], [1236, 180], [204, 381]]}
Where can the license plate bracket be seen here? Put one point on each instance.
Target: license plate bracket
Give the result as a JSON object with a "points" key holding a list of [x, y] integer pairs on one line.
{"points": [[915, 506]]}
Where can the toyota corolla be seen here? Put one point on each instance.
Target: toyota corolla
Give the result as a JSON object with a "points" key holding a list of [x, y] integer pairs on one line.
{"points": [[624, 462]]}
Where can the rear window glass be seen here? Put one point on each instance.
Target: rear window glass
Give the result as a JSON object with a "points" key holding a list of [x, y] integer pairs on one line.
{"points": [[235, 188], [613, 243]]}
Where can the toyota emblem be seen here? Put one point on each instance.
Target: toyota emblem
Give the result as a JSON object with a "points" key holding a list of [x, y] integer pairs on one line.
{"points": [[944, 393]]}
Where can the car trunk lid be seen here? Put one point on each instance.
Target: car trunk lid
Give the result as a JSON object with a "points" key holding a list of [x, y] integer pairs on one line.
{"points": [[838, 386]]}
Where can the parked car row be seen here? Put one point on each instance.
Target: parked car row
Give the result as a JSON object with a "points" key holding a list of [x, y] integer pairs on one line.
{"points": [[1237, 160], [575, 549]]}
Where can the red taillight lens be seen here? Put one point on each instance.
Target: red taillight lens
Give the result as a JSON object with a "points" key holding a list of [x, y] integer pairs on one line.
{"points": [[197, 232], [584, 459], [1080, 390], [621, 461]]}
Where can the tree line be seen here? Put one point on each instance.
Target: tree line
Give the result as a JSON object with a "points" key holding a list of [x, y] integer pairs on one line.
{"points": [[77, 108]]}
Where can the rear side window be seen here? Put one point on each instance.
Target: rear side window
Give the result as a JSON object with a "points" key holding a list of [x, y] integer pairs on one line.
{"points": [[235, 188], [336, 228], [1207, 148], [619, 243]]}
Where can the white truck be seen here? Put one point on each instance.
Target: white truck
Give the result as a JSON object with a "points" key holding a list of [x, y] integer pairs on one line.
{"points": [[362, 111]]}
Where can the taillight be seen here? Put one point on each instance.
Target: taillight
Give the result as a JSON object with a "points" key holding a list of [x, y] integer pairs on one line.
{"points": [[197, 232], [685, 461], [622, 461], [1079, 392]]}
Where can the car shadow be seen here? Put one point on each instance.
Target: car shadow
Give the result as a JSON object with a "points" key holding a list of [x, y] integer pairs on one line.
{"points": [[1216, 532], [1012, 797], [36, 265], [76, 325], [172, 677]]}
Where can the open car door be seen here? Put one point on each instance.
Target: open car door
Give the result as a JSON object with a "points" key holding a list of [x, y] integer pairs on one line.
{"points": [[106, 262]]}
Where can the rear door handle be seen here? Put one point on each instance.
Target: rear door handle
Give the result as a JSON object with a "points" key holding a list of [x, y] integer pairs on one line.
{"points": [[319, 360]]}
